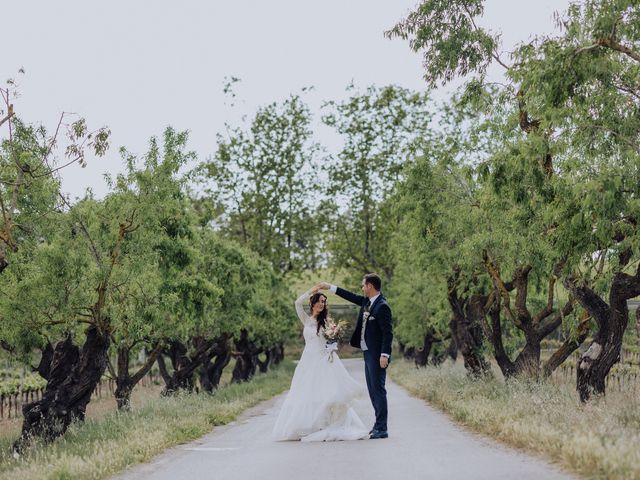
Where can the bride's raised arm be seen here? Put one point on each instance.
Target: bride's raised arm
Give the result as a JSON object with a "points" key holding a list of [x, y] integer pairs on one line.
{"points": [[299, 303]]}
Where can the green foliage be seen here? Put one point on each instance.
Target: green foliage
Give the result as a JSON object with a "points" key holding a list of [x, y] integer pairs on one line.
{"points": [[254, 298], [140, 266], [438, 203], [261, 184], [380, 128], [448, 37], [15, 386], [541, 171]]}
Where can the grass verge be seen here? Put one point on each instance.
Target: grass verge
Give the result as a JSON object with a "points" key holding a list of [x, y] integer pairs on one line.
{"points": [[597, 440], [102, 447]]}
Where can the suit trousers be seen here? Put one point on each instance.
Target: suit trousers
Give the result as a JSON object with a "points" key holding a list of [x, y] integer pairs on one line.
{"points": [[376, 378]]}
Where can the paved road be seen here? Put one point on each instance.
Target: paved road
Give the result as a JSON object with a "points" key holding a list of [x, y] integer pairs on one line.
{"points": [[423, 444]]}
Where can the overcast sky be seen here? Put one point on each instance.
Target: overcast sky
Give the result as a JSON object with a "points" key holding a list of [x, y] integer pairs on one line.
{"points": [[137, 66]]}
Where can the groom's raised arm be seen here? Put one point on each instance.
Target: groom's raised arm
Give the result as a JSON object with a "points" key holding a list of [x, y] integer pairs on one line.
{"points": [[346, 294]]}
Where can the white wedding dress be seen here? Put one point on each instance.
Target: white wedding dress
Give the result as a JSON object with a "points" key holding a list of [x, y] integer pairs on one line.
{"points": [[318, 406]]}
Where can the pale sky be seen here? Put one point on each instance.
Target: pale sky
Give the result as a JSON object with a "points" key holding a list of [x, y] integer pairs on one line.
{"points": [[138, 67]]}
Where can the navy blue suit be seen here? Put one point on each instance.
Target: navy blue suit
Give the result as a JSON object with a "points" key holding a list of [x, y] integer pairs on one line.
{"points": [[377, 336]]}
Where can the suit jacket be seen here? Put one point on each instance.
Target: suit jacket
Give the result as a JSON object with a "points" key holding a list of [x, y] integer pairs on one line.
{"points": [[379, 332]]}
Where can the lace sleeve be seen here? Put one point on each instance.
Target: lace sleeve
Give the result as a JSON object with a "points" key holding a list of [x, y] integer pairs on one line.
{"points": [[302, 299]]}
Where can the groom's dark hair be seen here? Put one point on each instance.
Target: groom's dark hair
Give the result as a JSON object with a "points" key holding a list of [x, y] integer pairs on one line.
{"points": [[374, 279]]}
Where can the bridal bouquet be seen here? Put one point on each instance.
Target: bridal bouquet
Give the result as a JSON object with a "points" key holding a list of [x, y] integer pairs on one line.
{"points": [[333, 333]]}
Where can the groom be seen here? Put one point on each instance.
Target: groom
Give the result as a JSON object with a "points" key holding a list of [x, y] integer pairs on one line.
{"points": [[373, 336]]}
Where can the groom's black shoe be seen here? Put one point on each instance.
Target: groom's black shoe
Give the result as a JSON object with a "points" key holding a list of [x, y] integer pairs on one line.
{"points": [[378, 434]]}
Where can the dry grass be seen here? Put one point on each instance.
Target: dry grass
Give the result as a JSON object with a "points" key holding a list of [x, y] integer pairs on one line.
{"points": [[97, 409], [106, 402], [597, 440], [110, 442]]}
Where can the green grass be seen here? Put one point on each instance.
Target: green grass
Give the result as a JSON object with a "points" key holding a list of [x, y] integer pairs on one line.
{"points": [[598, 440], [102, 447]]}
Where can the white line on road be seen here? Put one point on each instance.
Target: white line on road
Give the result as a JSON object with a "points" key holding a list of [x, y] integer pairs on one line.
{"points": [[210, 449]]}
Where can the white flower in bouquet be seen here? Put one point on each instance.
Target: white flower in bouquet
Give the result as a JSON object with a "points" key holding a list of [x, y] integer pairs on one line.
{"points": [[334, 331]]}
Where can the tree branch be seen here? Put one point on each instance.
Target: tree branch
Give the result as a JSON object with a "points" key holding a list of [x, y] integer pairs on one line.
{"points": [[627, 285], [554, 321], [617, 46], [53, 140], [548, 308], [151, 359], [590, 301], [521, 281], [494, 54], [567, 348], [502, 358], [84, 229], [10, 113], [502, 289], [163, 369], [112, 370]]}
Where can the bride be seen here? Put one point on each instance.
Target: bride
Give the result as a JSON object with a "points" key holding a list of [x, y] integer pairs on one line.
{"points": [[318, 405]]}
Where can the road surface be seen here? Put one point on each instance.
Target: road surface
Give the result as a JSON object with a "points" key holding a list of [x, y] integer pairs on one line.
{"points": [[423, 444]]}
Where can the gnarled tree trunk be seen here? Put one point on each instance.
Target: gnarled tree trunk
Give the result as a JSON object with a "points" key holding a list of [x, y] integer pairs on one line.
{"points": [[263, 365], [535, 327], [277, 354], [611, 320], [466, 328], [407, 353], [44, 367], [184, 365], [422, 353], [246, 356], [450, 352], [73, 377], [125, 382], [211, 371]]}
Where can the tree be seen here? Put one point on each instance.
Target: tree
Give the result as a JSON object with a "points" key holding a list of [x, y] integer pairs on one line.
{"points": [[165, 289], [520, 176], [438, 201], [380, 128], [29, 186], [53, 299], [595, 105], [99, 266], [261, 179], [30, 190], [248, 319]]}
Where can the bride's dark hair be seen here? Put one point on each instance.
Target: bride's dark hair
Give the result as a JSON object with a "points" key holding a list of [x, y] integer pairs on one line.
{"points": [[321, 319]]}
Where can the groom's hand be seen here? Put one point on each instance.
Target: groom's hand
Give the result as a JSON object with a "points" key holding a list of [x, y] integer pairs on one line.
{"points": [[384, 361], [324, 286]]}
